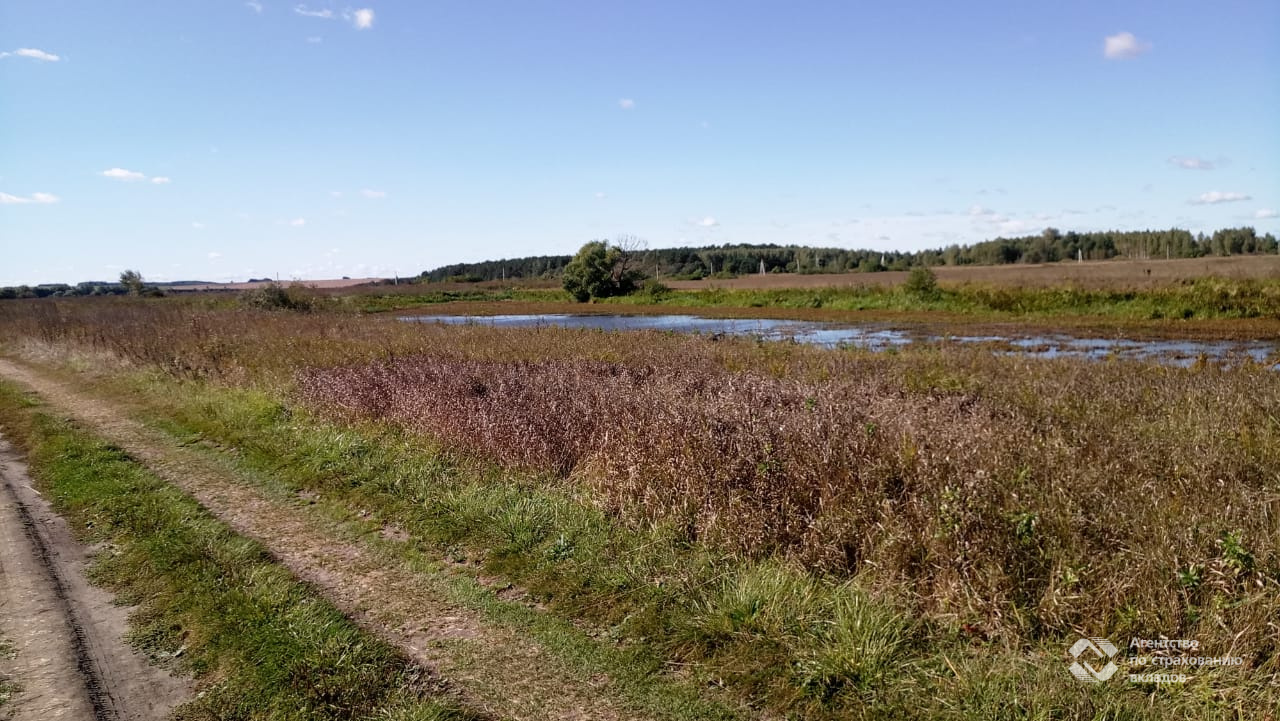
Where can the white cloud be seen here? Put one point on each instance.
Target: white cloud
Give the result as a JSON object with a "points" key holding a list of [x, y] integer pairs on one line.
{"points": [[362, 18], [627, 104], [1213, 197], [976, 210], [197, 225], [1265, 213], [601, 195], [707, 222], [373, 194], [214, 255], [254, 6], [122, 174], [1191, 163], [161, 180], [335, 193], [37, 198], [34, 54], [298, 222], [325, 14], [1123, 46], [315, 39]]}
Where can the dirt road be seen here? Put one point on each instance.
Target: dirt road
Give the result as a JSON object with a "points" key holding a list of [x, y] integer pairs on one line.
{"points": [[70, 660], [493, 668]]}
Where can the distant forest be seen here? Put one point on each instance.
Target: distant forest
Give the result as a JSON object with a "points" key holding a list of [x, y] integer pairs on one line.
{"points": [[729, 260]]}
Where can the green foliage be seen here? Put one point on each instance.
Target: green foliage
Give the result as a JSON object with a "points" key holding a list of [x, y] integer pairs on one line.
{"points": [[600, 270], [922, 283], [132, 280], [274, 296], [1052, 245]]}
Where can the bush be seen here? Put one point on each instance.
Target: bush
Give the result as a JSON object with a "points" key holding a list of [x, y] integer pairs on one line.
{"points": [[274, 296], [922, 283], [599, 270]]}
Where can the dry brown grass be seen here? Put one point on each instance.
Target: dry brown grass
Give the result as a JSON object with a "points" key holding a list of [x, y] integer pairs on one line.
{"points": [[1014, 499], [1067, 496], [1104, 274]]}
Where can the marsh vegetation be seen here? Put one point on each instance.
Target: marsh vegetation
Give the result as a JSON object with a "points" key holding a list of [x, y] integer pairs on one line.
{"points": [[827, 532]]}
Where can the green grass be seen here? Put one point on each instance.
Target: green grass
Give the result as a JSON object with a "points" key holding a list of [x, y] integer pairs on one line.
{"points": [[260, 644], [8, 687], [1200, 298], [374, 302]]}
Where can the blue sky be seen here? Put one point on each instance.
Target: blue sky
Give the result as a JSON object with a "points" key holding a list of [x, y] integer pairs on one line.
{"points": [[223, 140]]}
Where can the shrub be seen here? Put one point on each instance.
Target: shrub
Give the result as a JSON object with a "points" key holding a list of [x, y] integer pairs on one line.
{"points": [[274, 296], [922, 283]]}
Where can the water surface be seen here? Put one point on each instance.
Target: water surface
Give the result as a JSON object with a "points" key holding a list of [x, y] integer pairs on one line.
{"points": [[880, 338]]}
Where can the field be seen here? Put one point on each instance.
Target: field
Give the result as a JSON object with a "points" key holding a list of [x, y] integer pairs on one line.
{"points": [[817, 534], [1107, 274]]}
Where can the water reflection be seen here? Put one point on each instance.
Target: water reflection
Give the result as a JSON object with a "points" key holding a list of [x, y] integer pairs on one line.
{"points": [[835, 335]]}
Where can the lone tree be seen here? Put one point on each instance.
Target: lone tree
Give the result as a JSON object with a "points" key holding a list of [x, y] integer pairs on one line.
{"points": [[132, 280], [602, 269]]}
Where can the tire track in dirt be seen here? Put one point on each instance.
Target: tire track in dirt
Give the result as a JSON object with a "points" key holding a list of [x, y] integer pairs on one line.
{"points": [[71, 658], [494, 669]]}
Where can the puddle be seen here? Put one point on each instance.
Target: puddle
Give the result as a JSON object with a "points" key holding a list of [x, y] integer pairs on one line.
{"points": [[836, 335]]}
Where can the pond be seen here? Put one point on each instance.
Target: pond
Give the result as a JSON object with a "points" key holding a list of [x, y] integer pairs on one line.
{"points": [[879, 338]]}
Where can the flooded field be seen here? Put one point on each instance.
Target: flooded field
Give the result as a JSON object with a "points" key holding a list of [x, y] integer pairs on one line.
{"points": [[878, 337]]}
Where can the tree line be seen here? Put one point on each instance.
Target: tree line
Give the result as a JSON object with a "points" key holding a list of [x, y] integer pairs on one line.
{"points": [[1052, 245], [692, 263]]}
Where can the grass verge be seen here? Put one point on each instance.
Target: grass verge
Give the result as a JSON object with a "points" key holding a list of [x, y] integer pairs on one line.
{"points": [[212, 603], [8, 687]]}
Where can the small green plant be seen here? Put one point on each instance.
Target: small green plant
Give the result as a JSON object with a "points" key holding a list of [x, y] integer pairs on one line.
{"points": [[1024, 526], [1234, 554], [1191, 577]]}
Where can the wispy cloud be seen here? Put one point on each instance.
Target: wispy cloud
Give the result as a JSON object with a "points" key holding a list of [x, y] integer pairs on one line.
{"points": [[1191, 162], [373, 194], [303, 10], [214, 255], [627, 104], [706, 222], [254, 6], [298, 222], [197, 225], [1124, 46], [122, 174], [132, 176], [1265, 213], [36, 198], [315, 39], [1213, 197], [33, 53]]}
